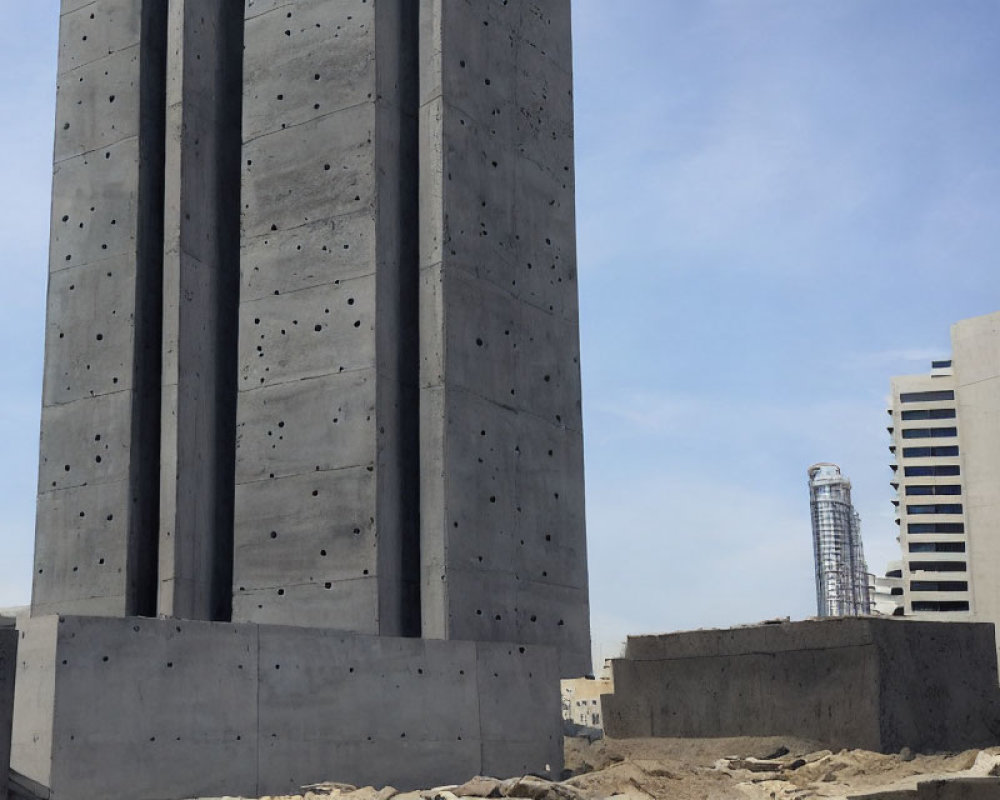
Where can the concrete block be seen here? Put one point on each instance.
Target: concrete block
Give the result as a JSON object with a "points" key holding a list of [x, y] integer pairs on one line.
{"points": [[382, 710], [514, 743], [8, 668], [34, 699], [169, 693], [850, 682], [257, 709]]}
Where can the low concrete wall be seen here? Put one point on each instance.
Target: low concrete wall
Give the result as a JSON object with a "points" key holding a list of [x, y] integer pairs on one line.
{"points": [[945, 789], [8, 664], [148, 709], [877, 684]]}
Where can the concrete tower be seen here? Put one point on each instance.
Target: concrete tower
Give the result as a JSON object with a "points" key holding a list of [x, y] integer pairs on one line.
{"points": [[312, 352]]}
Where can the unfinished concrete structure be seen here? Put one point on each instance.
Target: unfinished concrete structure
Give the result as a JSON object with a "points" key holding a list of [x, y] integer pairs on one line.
{"points": [[312, 363], [851, 682]]}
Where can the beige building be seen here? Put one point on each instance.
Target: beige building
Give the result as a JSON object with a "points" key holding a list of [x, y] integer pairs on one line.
{"points": [[581, 698], [946, 440], [886, 592]]}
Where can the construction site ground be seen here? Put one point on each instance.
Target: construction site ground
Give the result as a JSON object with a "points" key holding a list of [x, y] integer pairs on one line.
{"points": [[766, 768]]}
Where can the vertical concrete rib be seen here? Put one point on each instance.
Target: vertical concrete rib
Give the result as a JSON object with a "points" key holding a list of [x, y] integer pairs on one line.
{"points": [[325, 457], [95, 549], [502, 506], [201, 297]]}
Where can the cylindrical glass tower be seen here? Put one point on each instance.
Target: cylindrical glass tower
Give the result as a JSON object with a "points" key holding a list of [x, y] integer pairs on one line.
{"points": [[841, 572]]}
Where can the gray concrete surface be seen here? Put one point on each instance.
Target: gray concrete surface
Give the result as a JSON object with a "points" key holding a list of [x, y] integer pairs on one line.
{"points": [[95, 543], [200, 301], [8, 665], [876, 684], [199, 709], [327, 356], [395, 298], [502, 505]]}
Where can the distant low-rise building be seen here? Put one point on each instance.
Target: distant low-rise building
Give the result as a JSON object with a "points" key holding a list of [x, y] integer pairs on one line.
{"points": [[581, 698], [886, 592]]}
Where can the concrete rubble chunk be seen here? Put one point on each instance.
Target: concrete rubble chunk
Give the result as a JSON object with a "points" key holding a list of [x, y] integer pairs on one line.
{"points": [[330, 788], [347, 791], [479, 786], [535, 788]]}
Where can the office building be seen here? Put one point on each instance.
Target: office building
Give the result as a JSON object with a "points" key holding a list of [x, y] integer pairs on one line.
{"points": [[946, 441], [928, 479], [841, 572]]}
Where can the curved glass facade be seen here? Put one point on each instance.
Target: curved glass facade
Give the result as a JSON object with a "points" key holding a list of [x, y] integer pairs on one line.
{"points": [[841, 572]]}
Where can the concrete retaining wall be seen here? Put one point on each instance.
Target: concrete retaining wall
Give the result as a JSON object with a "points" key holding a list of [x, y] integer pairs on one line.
{"points": [[851, 682], [143, 709], [944, 789], [8, 663]]}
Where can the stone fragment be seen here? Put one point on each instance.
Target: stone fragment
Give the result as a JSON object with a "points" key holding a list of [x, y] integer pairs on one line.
{"points": [[538, 789], [479, 786]]}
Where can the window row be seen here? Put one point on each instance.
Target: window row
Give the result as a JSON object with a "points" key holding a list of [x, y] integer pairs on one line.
{"points": [[937, 547], [937, 508], [929, 433], [935, 527], [939, 586], [937, 566], [950, 488], [941, 605], [930, 452], [927, 397], [932, 470], [928, 413]]}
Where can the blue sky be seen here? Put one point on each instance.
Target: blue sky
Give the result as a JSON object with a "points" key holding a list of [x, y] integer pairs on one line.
{"points": [[781, 204]]}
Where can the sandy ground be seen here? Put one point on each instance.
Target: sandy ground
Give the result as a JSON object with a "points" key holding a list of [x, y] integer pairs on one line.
{"points": [[704, 769]]}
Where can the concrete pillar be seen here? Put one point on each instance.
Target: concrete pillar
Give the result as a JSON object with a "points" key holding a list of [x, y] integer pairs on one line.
{"points": [[96, 528], [8, 664], [502, 497], [326, 521], [200, 300]]}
